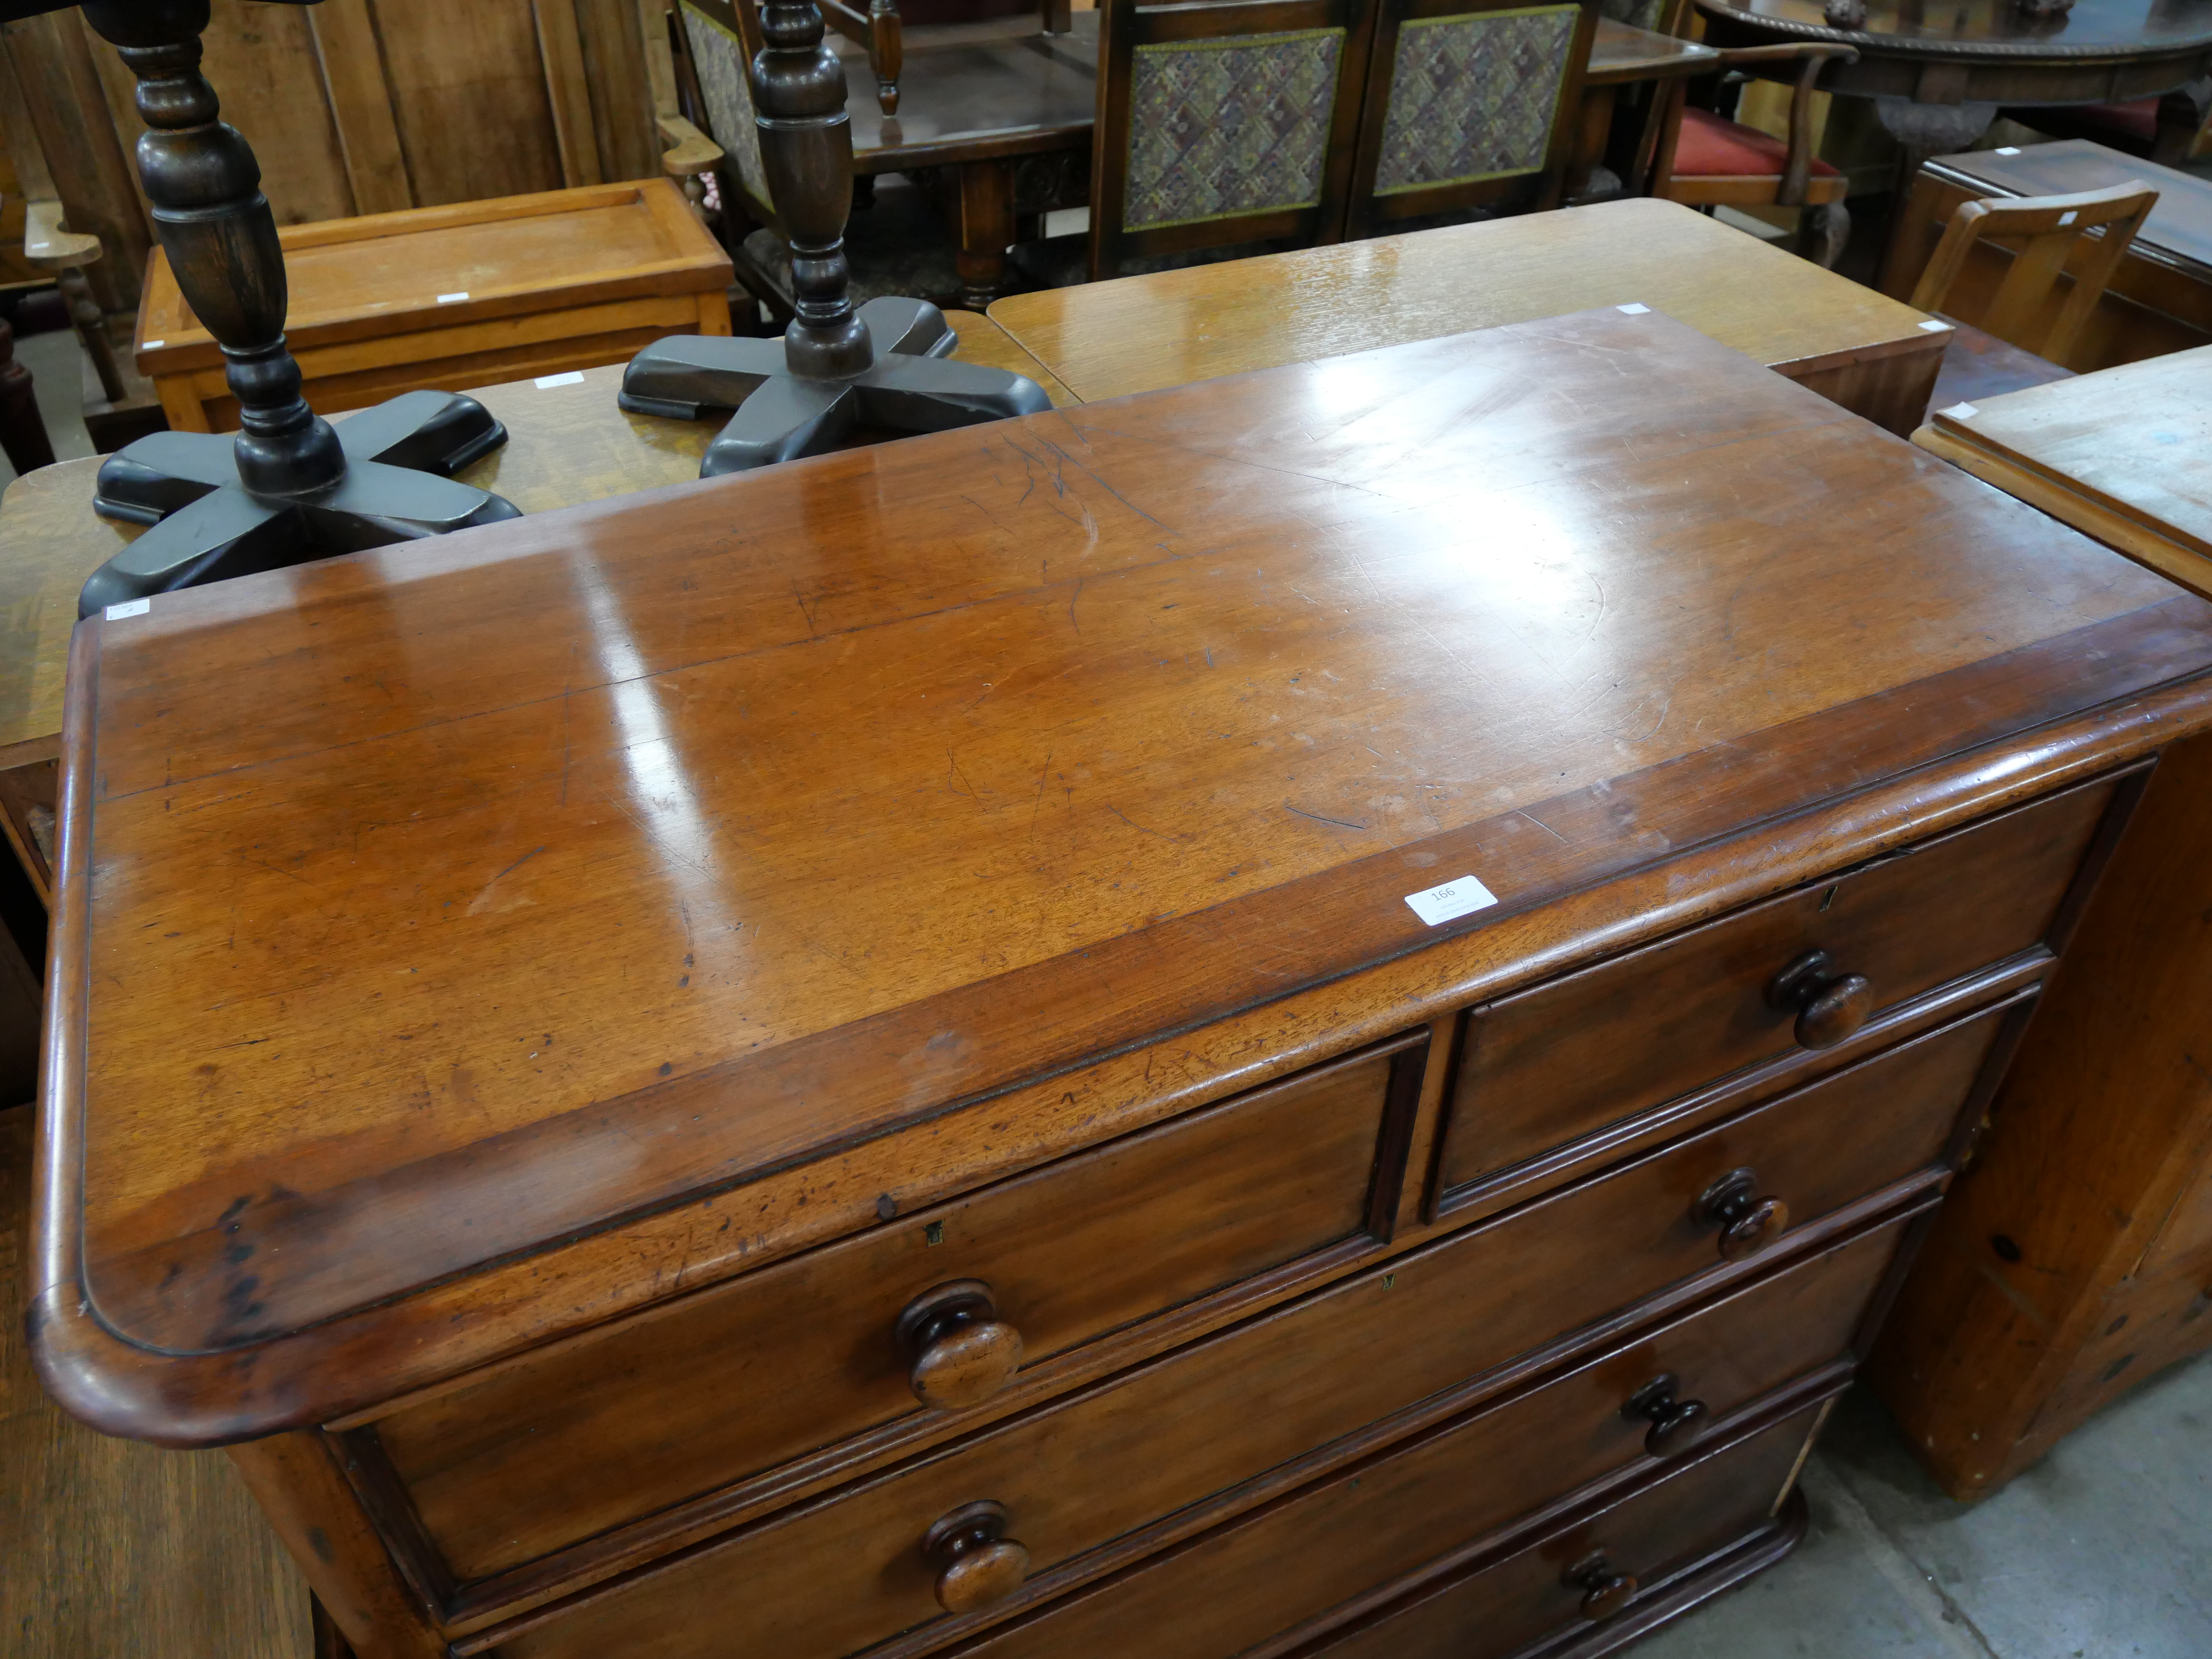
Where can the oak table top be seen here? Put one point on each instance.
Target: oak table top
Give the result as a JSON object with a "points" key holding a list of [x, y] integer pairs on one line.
{"points": [[1139, 333], [464, 942], [2124, 454], [568, 443]]}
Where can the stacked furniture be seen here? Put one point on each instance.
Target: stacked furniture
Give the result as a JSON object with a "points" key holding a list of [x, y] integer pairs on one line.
{"points": [[1270, 1038], [2158, 296]]}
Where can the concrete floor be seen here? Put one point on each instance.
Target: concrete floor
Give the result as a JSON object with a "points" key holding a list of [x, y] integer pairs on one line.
{"points": [[2099, 1552]]}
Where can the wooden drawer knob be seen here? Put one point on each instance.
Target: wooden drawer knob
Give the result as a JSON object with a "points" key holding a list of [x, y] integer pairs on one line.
{"points": [[1605, 1592], [1748, 1222], [958, 1352], [1830, 1006], [1675, 1423], [976, 1563]]}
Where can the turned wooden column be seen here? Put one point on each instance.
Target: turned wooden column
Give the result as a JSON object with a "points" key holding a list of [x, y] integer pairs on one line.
{"points": [[205, 188]]}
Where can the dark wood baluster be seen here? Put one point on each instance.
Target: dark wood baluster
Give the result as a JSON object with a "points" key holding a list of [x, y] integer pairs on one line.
{"points": [[205, 188]]}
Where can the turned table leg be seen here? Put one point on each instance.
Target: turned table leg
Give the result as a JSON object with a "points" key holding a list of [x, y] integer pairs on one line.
{"points": [[22, 429], [1924, 130], [987, 228]]}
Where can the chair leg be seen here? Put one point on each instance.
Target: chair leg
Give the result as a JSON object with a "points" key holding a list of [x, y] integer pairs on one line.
{"points": [[1822, 231]]}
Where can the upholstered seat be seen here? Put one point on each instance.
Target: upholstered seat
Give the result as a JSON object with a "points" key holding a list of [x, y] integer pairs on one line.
{"points": [[1713, 146]]}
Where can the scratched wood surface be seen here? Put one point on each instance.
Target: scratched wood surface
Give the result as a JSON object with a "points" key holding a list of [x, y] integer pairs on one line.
{"points": [[672, 842]]}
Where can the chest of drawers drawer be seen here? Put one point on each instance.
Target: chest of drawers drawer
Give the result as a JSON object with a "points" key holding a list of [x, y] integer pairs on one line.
{"points": [[853, 1569], [1572, 1581], [1799, 971], [946, 1304]]}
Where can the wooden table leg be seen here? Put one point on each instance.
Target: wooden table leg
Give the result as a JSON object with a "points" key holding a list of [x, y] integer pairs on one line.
{"points": [[1591, 131], [22, 430], [1923, 130], [987, 229]]}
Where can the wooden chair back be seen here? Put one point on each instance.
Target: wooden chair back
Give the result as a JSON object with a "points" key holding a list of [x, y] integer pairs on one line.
{"points": [[1468, 103], [2051, 228], [1224, 123]]}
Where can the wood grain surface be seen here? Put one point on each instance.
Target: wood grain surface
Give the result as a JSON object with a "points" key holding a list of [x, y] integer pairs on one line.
{"points": [[383, 273], [676, 849], [1107, 339], [566, 444], [2124, 454], [110, 1541]]}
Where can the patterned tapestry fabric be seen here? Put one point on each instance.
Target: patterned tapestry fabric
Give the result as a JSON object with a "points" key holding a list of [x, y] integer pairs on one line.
{"points": [[1219, 129], [1473, 96], [727, 87]]}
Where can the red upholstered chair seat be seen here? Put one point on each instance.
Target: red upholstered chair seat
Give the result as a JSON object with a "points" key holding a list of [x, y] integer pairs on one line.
{"points": [[1712, 146], [2137, 119]]}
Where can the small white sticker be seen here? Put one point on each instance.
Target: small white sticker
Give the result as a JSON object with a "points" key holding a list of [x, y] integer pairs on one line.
{"points": [[1633, 310], [1933, 326], [2008, 149], [155, 345], [1959, 411], [2067, 218], [448, 298], [128, 608], [573, 377], [1456, 897]]}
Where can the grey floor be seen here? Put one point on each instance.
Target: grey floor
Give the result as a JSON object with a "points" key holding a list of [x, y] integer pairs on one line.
{"points": [[2101, 1551]]}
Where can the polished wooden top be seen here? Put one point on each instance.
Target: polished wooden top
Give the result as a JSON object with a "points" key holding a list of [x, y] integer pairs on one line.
{"points": [[1620, 53], [1138, 333], [426, 913], [2124, 453], [1991, 28], [438, 267], [969, 92], [568, 443], [2178, 231]]}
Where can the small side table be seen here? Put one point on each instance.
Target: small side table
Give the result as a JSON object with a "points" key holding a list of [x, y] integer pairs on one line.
{"points": [[459, 297], [1622, 55]]}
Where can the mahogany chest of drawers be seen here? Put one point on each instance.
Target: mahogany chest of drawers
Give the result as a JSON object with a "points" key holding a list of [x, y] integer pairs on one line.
{"points": [[1314, 1012]]}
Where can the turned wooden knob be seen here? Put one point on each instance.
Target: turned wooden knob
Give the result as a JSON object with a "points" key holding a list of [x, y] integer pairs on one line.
{"points": [[1748, 1222], [1605, 1592], [1675, 1423], [976, 1563], [1829, 1005], [959, 1352]]}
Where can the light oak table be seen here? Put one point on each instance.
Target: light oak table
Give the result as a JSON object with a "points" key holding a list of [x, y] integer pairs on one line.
{"points": [[566, 444], [1868, 353], [458, 296], [2076, 1260]]}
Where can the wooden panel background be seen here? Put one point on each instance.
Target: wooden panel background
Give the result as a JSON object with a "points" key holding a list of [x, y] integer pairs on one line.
{"points": [[355, 107]]}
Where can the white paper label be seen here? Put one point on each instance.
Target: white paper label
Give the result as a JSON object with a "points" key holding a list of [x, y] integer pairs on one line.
{"points": [[2008, 149], [1933, 326], [1456, 897], [448, 298], [1959, 411], [128, 608], [155, 345], [573, 377], [2067, 218], [1633, 310]]}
